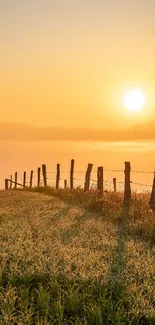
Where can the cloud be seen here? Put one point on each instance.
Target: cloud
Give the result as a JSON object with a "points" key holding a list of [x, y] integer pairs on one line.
{"points": [[21, 131]]}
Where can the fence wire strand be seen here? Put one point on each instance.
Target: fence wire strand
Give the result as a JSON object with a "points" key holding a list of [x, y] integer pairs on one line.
{"points": [[67, 173]]}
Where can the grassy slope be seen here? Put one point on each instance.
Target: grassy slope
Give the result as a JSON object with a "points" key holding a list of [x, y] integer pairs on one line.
{"points": [[71, 258]]}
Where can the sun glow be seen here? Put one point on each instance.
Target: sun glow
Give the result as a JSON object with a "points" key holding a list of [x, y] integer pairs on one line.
{"points": [[134, 100]]}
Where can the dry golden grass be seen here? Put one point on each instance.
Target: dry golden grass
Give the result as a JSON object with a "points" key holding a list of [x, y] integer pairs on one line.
{"points": [[88, 247], [40, 232]]}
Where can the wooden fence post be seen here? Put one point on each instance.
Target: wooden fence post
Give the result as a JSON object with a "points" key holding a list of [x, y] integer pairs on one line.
{"points": [[65, 184], [127, 186], [72, 174], [114, 183], [15, 180], [100, 179], [152, 199], [24, 179], [87, 177], [58, 176], [10, 182], [38, 180], [6, 184], [44, 175], [31, 178]]}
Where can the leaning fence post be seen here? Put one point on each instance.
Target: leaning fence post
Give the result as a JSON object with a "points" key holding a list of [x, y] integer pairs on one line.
{"points": [[6, 184], [87, 177], [72, 174], [127, 186], [114, 183], [100, 179], [152, 199], [38, 174], [15, 180], [58, 176], [24, 179], [10, 182], [31, 178], [65, 184], [44, 175]]}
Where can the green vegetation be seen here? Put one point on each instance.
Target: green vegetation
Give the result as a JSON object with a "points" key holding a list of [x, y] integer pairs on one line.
{"points": [[72, 258]]}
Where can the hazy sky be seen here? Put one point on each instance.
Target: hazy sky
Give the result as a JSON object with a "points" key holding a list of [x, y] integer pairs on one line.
{"points": [[66, 63]]}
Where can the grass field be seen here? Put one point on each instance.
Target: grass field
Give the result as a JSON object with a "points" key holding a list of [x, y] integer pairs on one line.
{"points": [[72, 258]]}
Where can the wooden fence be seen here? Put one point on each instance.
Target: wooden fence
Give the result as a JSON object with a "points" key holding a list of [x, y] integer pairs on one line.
{"points": [[100, 181]]}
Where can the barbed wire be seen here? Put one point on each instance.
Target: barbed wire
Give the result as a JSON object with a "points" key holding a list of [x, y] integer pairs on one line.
{"points": [[105, 170], [52, 179], [94, 180], [141, 184], [141, 172], [105, 181], [113, 170], [78, 179]]}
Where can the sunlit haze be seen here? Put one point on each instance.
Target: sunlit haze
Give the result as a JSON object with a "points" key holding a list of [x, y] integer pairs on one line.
{"points": [[62, 62], [68, 68]]}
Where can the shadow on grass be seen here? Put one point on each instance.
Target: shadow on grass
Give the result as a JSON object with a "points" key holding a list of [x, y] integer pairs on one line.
{"points": [[62, 300], [59, 215], [106, 206], [73, 230], [91, 201], [59, 299], [116, 273]]}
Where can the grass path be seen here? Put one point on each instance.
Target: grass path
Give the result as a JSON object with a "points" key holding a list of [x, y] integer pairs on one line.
{"points": [[63, 264]]}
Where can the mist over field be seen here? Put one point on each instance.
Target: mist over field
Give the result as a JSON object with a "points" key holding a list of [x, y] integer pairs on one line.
{"points": [[23, 156]]}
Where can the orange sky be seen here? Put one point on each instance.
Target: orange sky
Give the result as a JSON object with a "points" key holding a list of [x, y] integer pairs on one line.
{"points": [[67, 63]]}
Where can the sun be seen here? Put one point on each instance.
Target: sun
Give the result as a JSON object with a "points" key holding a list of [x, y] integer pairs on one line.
{"points": [[134, 100]]}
